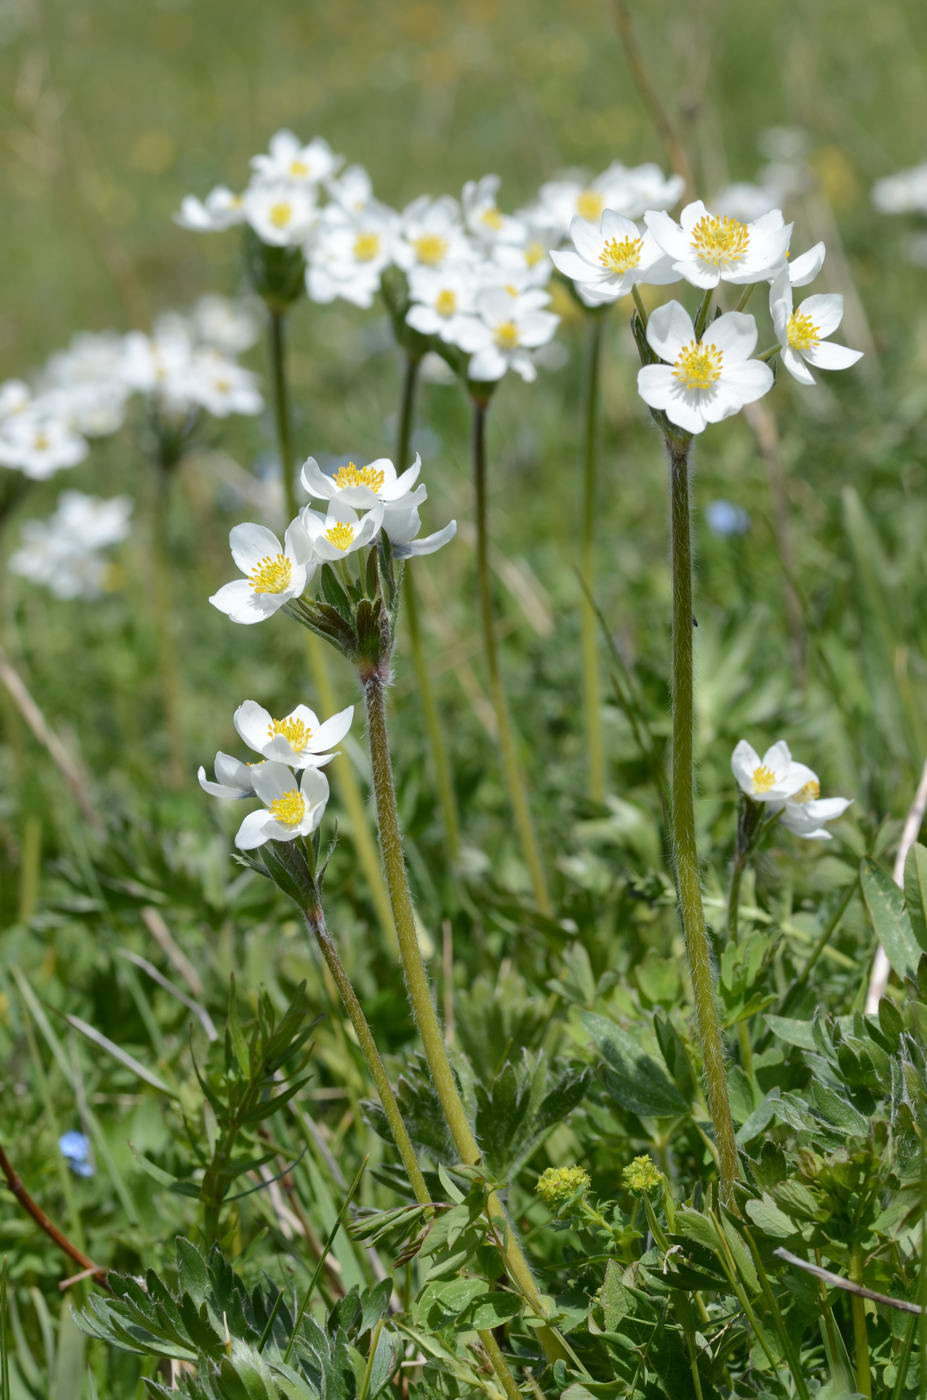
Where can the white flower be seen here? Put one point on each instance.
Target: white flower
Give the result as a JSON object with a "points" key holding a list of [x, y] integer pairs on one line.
{"points": [[352, 189], [441, 301], [340, 532], [225, 325], [481, 214], [290, 160], [280, 212], [773, 778], [806, 818], [221, 386], [299, 739], [646, 187], [159, 365], [15, 395], [526, 263], [289, 810], [64, 552], [505, 331], [273, 576], [703, 380], [903, 193], [221, 209], [364, 487], [802, 331], [38, 443], [626, 192], [745, 201], [431, 233], [611, 257], [402, 527], [233, 778], [91, 523], [710, 248], [348, 252]]}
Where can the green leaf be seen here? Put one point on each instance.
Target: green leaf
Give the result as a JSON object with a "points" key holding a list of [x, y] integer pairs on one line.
{"points": [[767, 1216], [123, 1056], [632, 1076], [886, 909], [915, 892]]}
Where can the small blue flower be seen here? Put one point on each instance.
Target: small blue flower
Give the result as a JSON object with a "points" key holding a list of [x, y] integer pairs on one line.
{"points": [[724, 518], [75, 1149]]}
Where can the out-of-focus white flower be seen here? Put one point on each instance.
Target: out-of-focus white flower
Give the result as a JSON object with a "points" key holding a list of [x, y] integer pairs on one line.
{"points": [[352, 189], [481, 215], [902, 193], [625, 191], [612, 256], [524, 264], [702, 381], [15, 395], [504, 332], [348, 252], [233, 778], [221, 209], [362, 488], [441, 301], [300, 739], [707, 248], [273, 576], [431, 233], [64, 552], [402, 527], [224, 324], [281, 213], [84, 384], [774, 778], [290, 160], [39, 443], [746, 202], [90, 522], [340, 531], [159, 364], [802, 331], [290, 809], [221, 386]]}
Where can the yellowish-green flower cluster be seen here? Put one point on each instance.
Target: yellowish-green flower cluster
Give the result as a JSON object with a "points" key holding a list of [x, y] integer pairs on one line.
{"points": [[642, 1176], [558, 1185]]}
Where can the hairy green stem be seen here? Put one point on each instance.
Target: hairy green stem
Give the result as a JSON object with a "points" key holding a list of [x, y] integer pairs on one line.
{"points": [[508, 747], [592, 698], [165, 625], [281, 401], [423, 1008], [688, 884], [440, 762]]}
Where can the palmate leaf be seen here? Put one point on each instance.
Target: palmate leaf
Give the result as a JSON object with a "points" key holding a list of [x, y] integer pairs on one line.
{"points": [[522, 1104], [632, 1076]]}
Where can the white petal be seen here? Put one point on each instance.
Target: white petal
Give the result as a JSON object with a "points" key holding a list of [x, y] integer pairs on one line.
{"points": [[487, 364], [805, 268], [250, 544], [430, 543], [671, 238], [617, 226], [656, 385], [587, 239], [780, 305], [254, 725], [233, 772], [331, 732], [778, 758], [669, 329], [796, 366], [239, 601], [573, 266], [254, 830], [825, 310], [272, 780], [744, 762], [687, 412], [748, 381], [734, 334], [318, 483], [827, 355], [314, 786], [297, 545]]}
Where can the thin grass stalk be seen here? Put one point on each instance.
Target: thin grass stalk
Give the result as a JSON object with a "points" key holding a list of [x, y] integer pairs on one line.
{"points": [[508, 747], [434, 730], [422, 1005], [165, 626], [682, 819], [592, 696], [860, 1330], [346, 776]]}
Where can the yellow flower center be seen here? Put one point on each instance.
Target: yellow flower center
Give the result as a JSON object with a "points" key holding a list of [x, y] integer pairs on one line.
{"points": [[340, 535], [235, 201], [620, 255], [290, 808], [492, 218], [718, 239], [430, 248], [698, 366], [298, 168], [809, 793], [351, 475], [507, 335], [222, 386], [40, 443], [763, 779], [272, 574], [366, 246], [802, 333], [296, 733], [589, 204], [535, 253], [280, 214], [446, 302]]}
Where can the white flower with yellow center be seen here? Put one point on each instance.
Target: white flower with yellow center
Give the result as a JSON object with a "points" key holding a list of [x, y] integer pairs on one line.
{"points": [[289, 159], [626, 191], [291, 808], [39, 443], [362, 488], [234, 779], [431, 233], [273, 575], [774, 778], [702, 381], [221, 386], [504, 332], [482, 217], [441, 300], [340, 531], [15, 395], [352, 189], [299, 739], [708, 248], [348, 251], [221, 209], [806, 813], [802, 330], [281, 213], [612, 256]]}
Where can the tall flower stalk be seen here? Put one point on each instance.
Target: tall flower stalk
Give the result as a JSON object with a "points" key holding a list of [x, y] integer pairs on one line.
{"points": [[165, 467], [592, 698], [508, 746]]}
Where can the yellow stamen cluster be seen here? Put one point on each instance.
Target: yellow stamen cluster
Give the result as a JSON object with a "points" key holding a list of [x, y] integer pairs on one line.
{"points": [[340, 535], [589, 204], [802, 333], [222, 386], [698, 366], [809, 793], [535, 252], [296, 732], [492, 218], [763, 779], [620, 255], [40, 442], [430, 248], [280, 214], [718, 239], [289, 809], [446, 302], [366, 246], [507, 335], [642, 1176], [272, 574], [352, 475], [298, 169], [557, 1185]]}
